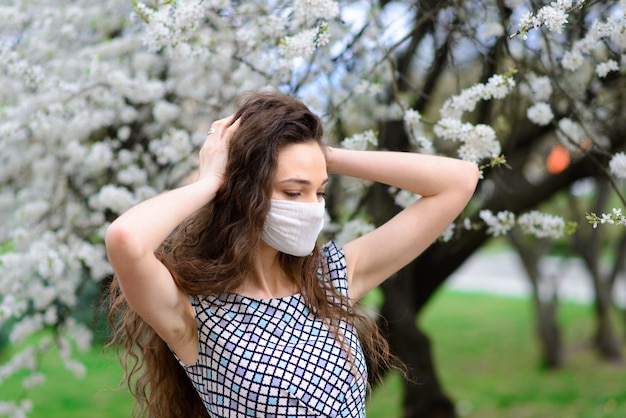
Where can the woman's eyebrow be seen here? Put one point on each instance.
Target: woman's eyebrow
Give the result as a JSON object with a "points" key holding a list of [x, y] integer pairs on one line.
{"points": [[301, 181]]}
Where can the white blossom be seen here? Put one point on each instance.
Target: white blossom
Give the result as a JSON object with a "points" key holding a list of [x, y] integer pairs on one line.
{"points": [[316, 9], [115, 198], [26, 327], [78, 369], [174, 146], [360, 141], [412, 120], [542, 225], [353, 229], [301, 45], [537, 88], [572, 60], [452, 129], [604, 68], [617, 165], [99, 158], [479, 143], [615, 217], [132, 176], [404, 198], [23, 360], [16, 410], [165, 112], [412, 117], [33, 380], [466, 101], [365, 87], [571, 134], [448, 233], [79, 333], [424, 145], [33, 211], [528, 21], [497, 87], [497, 224], [554, 18], [540, 113], [607, 218]]}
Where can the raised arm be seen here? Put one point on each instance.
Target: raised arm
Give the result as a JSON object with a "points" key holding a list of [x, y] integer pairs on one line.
{"points": [[134, 236], [445, 184]]}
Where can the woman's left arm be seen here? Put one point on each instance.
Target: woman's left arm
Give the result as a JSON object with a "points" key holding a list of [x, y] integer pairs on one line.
{"points": [[445, 184]]}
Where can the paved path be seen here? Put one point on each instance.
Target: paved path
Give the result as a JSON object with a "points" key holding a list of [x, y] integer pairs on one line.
{"points": [[502, 273]]}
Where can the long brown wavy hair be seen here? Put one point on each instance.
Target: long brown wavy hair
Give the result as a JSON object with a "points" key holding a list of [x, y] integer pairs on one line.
{"points": [[213, 252]]}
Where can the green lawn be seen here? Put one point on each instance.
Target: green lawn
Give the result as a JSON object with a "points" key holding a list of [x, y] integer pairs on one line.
{"points": [[484, 348], [65, 396], [487, 359]]}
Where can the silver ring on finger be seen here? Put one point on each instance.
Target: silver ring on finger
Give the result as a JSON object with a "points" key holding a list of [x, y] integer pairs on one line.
{"points": [[211, 131]]}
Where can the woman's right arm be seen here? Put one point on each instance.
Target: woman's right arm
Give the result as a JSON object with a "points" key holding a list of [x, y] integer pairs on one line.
{"points": [[134, 236]]}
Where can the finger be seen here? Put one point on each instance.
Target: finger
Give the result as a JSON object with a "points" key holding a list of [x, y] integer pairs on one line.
{"points": [[218, 126], [230, 131]]}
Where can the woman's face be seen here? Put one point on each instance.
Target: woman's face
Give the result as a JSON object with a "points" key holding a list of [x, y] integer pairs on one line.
{"points": [[301, 173]]}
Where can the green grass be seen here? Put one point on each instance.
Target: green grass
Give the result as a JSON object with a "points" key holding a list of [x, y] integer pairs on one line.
{"points": [[488, 362], [65, 396], [486, 354]]}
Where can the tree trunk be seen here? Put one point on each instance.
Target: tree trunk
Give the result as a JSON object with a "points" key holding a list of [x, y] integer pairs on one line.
{"points": [[423, 395], [589, 246], [545, 305], [552, 356], [606, 339]]}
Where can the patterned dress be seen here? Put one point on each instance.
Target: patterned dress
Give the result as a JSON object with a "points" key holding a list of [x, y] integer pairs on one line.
{"points": [[274, 358]]}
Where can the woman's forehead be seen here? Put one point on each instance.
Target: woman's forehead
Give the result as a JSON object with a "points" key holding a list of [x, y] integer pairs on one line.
{"points": [[301, 162]]}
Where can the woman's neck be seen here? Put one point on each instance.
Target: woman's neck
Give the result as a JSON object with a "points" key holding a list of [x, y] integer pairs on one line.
{"points": [[268, 280]]}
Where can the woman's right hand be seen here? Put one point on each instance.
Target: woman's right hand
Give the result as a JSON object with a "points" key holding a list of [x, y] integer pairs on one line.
{"points": [[214, 151]]}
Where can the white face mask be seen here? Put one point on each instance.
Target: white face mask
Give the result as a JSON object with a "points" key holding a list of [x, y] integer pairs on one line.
{"points": [[293, 227]]}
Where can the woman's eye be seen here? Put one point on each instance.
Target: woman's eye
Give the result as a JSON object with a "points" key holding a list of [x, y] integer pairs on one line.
{"points": [[292, 194], [321, 194]]}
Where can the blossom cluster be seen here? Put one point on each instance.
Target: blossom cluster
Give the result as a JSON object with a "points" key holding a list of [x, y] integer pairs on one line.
{"points": [[538, 89], [104, 105], [615, 217], [15, 409], [478, 142], [542, 225], [499, 223], [553, 16], [172, 26], [403, 198], [497, 87], [535, 223], [412, 124], [617, 165], [352, 229], [571, 134], [540, 113], [601, 37], [360, 141]]}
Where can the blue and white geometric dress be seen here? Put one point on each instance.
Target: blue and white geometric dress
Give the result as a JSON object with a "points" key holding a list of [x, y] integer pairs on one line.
{"points": [[274, 358]]}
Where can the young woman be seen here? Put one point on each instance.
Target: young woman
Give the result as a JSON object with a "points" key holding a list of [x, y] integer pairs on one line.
{"points": [[224, 301]]}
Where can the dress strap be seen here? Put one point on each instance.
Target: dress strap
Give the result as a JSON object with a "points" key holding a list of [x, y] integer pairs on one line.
{"points": [[334, 267]]}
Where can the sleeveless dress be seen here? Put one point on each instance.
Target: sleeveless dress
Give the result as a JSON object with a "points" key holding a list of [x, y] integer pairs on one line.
{"points": [[274, 358]]}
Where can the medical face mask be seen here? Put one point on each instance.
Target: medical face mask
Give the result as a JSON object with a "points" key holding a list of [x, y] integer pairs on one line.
{"points": [[293, 227]]}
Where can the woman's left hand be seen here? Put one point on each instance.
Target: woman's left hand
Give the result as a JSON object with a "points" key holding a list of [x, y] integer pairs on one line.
{"points": [[214, 151]]}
